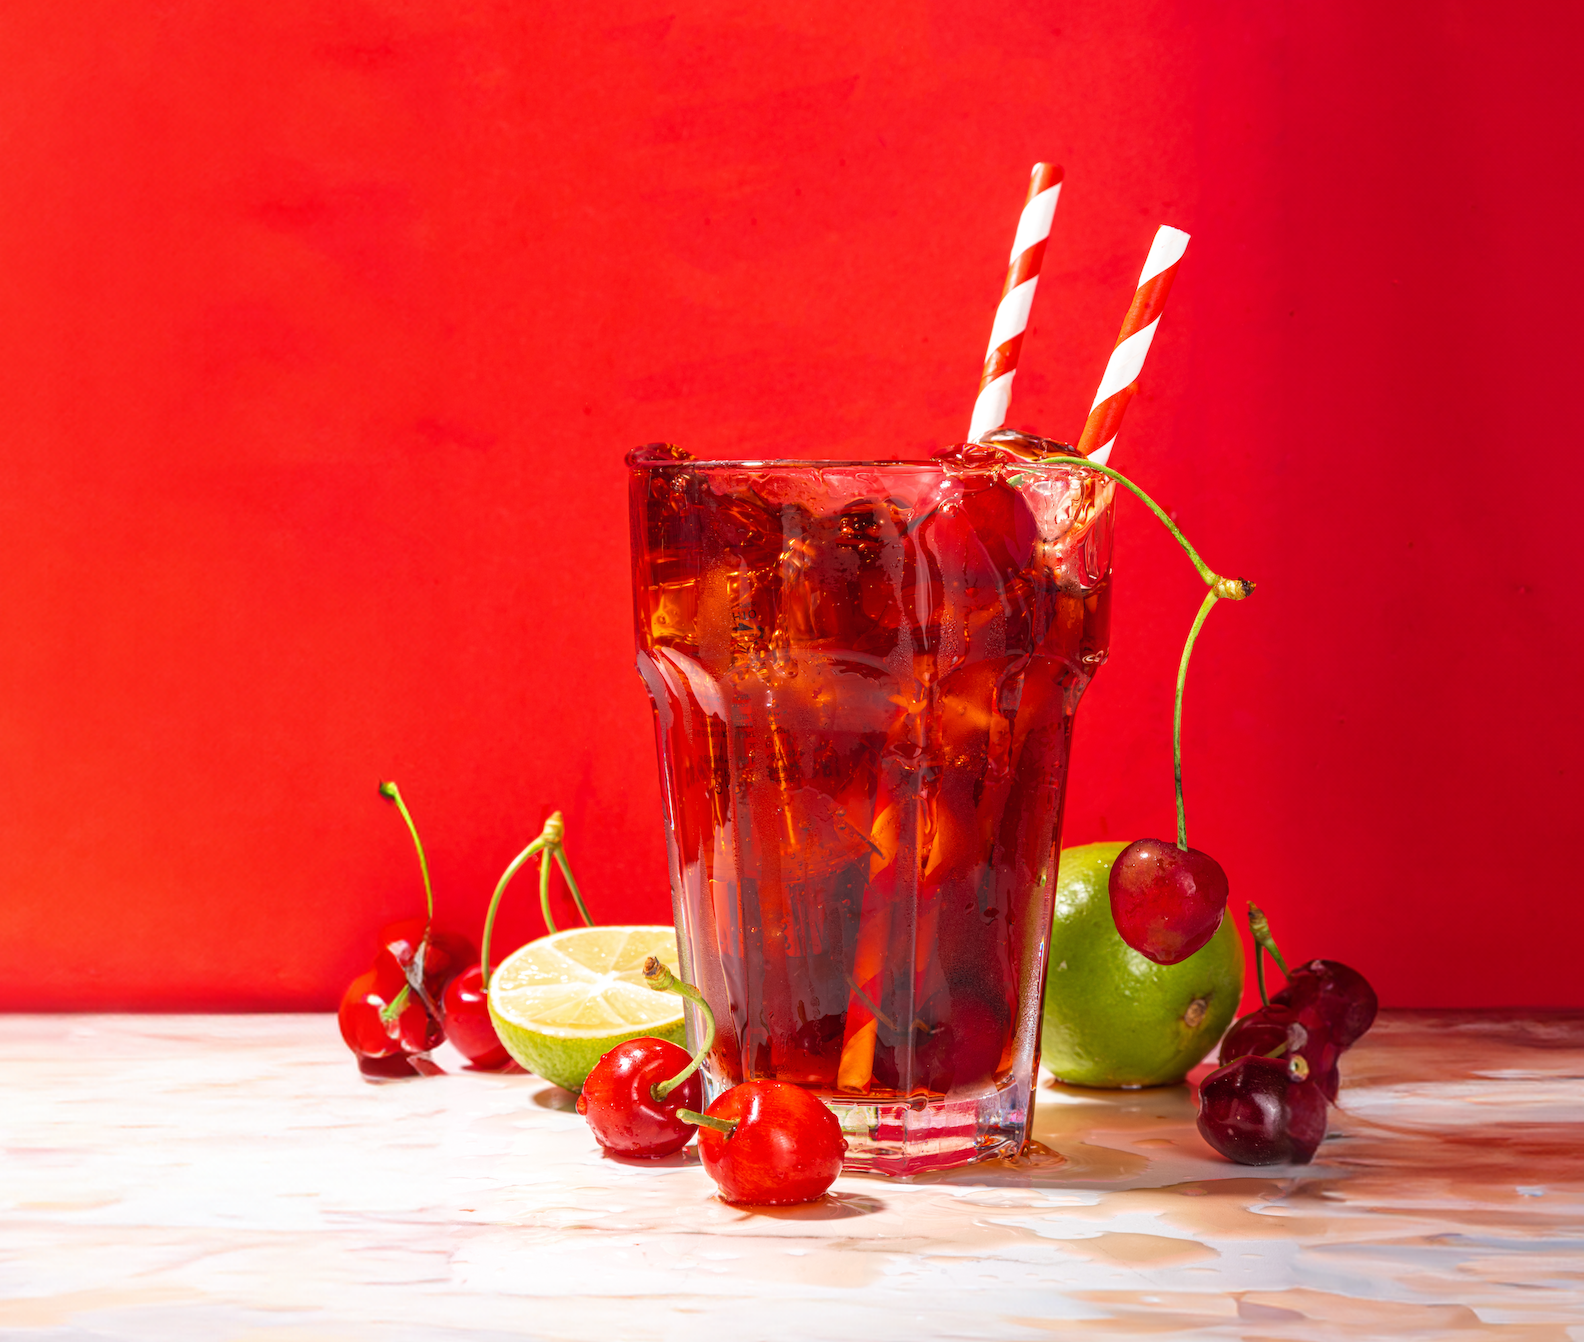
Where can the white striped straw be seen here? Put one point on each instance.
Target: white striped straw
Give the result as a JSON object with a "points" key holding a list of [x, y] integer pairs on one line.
{"points": [[1017, 296], [1120, 382]]}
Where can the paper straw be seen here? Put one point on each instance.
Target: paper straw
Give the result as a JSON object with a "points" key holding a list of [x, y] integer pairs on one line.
{"points": [[1138, 329], [1017, 296]]}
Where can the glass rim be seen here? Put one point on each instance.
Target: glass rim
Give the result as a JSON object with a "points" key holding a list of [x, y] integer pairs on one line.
{"points": [[787, 463]]}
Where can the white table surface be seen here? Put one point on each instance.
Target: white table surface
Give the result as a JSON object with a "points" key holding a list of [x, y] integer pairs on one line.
{"points": [[232, 1178]]}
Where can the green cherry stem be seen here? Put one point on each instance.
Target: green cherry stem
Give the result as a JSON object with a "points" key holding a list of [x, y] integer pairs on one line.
{"points": [[1210, 576], [1264, 941], [1211, 597], [726, 1125], [393, 793], [393, 1008], [414, 968], [572, 885], [544, 888], [515, 866], [555, 846], [549, 844], [662, 980], [1221, 589]]}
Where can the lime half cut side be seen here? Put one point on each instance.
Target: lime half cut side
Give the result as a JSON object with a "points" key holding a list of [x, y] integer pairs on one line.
{"points": [[561, 1003]]}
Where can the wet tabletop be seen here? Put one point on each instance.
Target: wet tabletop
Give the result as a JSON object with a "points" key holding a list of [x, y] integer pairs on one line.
{"points": [[233, 1178]]}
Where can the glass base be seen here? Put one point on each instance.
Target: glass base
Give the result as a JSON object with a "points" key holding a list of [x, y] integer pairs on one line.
{"points": [[921, 1137]]}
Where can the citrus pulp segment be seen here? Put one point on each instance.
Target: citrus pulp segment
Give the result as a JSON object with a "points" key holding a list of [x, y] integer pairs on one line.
{"points": [[560, 1003]]}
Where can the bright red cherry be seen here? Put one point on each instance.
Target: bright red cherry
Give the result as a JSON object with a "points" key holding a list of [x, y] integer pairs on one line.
{"points": [[1167, 901], [770, 1143], [465, 1014], [393, 1010], [381, 1017], [618, 1099], [1255, 1112], [1329, 992], [636, 1097]]}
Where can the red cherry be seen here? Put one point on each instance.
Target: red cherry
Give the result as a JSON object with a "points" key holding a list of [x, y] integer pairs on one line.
{"points": [[618, 1099], [980, 532], [359, 1018], [1328, 992], [367, 1025], [465, 1015], [1277, 1026], [1254, 1112], [1167, 901], [784, 1146]]}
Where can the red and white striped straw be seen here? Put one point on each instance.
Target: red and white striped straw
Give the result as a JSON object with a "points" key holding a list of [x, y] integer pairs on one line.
{"points": [[1138, 329], [1017, 296]]}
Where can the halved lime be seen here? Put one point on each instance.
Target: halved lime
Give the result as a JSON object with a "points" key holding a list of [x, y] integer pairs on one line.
{"points": [[561, 1003]]}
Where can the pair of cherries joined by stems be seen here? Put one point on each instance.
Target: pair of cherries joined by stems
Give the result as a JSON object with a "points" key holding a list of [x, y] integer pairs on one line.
{"points": [[394, 1013], [426, 987], [764, 1143], [1266, 1104]]}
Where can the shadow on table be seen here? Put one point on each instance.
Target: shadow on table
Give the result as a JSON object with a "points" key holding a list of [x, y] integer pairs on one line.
{"points": [[831, 1207], [553, 1097]]}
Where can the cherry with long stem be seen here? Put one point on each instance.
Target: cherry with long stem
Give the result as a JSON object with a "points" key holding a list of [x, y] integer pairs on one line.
{"points": [[425, 960], [392, 1013], [1168, 900], [763, 1142], [636, 1096]]}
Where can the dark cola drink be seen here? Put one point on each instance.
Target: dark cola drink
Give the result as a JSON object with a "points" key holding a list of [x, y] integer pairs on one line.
{"points": [[864, 679]]}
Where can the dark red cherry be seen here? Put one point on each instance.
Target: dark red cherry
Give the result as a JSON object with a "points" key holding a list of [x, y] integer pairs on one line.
{"points": [[1255, 1113], [618, 1099], [980, 533], [465, 1014], [1330, 992], [964, 1049], [1167, 901], [1262, 1032]]}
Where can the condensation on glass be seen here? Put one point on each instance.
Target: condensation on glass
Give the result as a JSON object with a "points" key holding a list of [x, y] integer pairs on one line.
{"points": [[864, 677]]}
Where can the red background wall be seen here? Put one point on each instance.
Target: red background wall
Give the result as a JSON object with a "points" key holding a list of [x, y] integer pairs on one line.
{"points": [[325, 326]]}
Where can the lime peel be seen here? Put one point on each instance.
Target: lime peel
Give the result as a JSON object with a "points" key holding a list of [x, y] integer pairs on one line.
{"points": [[1113, 1018]]}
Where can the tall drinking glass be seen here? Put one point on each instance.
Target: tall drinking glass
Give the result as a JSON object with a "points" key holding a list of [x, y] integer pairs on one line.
{"points": [[864, 676]]}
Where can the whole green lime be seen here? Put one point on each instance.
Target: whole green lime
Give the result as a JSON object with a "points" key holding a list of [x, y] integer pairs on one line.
{"points": [[1113, 1018]]}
